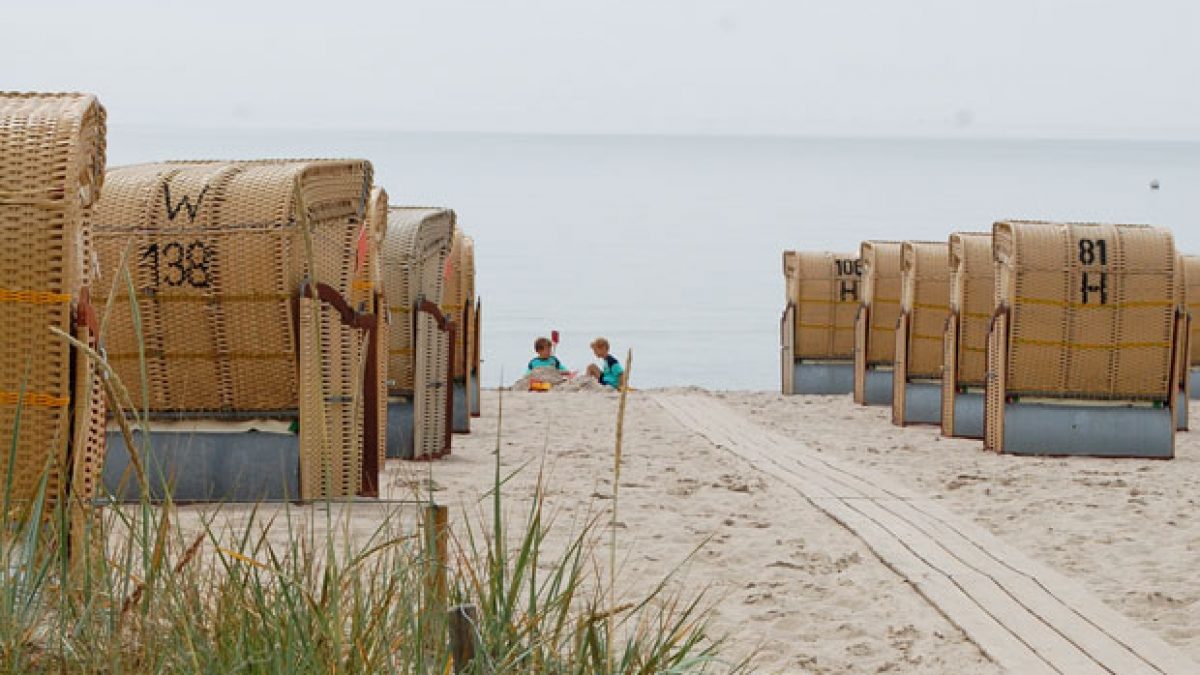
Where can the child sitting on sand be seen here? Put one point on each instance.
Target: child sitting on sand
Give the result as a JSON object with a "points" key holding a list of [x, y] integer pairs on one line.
{"points": [[612, 374], [544, 358]]}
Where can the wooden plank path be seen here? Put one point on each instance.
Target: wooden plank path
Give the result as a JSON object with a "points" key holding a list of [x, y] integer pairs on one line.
{"points": [[1025, 616]]}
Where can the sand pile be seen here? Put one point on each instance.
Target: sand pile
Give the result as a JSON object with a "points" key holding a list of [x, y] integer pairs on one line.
{"points": [[559, 381]]}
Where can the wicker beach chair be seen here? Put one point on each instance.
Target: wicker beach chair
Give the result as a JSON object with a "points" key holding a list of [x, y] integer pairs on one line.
{"points": [[1084, 349], [52, 405], [817, 328], [367, 298], [422, 338], [972, 298], [230, 282], [477, 359], [474, 330], [1191, 271], [875, 323], [924, 306], [459, 305]]}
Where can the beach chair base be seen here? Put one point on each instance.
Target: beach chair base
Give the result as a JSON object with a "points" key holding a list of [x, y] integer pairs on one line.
{"points": [[1088, 430], [400, 428], [878, 390], [202, 466], [922, 403], [822, 377], [461, 413], [1181, 416], [476, 408], [968, 415], [1194, 383]]}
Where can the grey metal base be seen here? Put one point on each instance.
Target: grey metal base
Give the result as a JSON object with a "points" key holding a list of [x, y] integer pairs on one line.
{"points": [[1181, 418], [879, 387], [476, 405], [400, 441], [1194, 382], [968, 415], [1095, 431], [823, 377], [922, 403], [207, 466], [461, 418]]}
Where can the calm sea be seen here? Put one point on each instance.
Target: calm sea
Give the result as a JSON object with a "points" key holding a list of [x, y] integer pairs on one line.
{"points": [[671, 246]]}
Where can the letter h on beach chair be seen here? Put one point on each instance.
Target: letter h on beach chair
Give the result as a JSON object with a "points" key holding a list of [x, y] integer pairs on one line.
{"points": [[924, 305], [972, 298], [817, 329], [422, 337], [233, 332], [52, 406], [875, 324], [1085, 343]]}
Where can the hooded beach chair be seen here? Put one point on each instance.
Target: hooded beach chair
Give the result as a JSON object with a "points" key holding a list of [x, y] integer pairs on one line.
{"points": [[367, 298], [1191, 271], [421, 346], [875, 323], [233, 331], [924, 306], [52, 405], [972, 298], [459, 307], [1085, 343], [817, 328], [475, 328]]}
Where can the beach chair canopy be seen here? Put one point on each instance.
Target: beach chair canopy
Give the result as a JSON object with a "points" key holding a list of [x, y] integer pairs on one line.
{"points": [[925, 298], [881, 261], [52, 160], [1091, 309], [825, 290], [972, 294]]}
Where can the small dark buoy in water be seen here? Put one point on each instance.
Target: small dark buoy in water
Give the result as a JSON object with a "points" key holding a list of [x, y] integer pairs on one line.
{"points": [[1153, 183]]}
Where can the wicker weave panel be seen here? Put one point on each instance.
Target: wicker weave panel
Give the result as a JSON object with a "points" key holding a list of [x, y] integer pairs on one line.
{"points": [[52, 157], [368, 297], [1191, 272], [414, 259], [825, 290], [881, 293], [925, 297], [216, 254], [972, 297], [458, 298], [1093, 308]]}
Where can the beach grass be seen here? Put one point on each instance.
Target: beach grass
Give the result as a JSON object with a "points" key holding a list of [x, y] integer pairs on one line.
{"points": [[155, 587]]}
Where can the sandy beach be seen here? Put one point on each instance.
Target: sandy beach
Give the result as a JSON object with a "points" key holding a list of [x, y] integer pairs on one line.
{"points": [[792, 585]]}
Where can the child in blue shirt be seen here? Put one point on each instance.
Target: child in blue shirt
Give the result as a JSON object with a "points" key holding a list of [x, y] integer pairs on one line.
{"points": [[612, 374], [544, 358]]}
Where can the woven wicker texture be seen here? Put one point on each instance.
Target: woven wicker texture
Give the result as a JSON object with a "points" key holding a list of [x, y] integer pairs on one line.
{"points": [[881, 295], [824, 287], [458, 299], [414, 264], [1191, 273], [972, 298], [52, 157], [1092, 309], [925, 298], [217, 252], [368, 298]]}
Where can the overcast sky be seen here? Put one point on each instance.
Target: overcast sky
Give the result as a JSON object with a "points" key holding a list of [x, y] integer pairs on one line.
{"points": [[926, 67]]}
